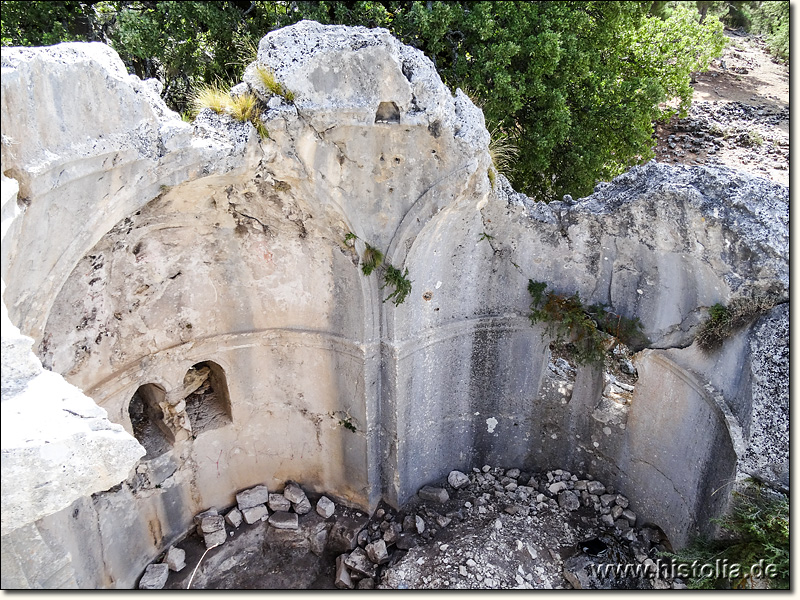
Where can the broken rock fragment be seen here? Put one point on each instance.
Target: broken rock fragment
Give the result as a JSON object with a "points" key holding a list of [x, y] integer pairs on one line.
{"points": [[358, 561], [377, 553], [435, 494], [457, 479], [343, 580], [175, 559], [155, 577], [325, 507]]}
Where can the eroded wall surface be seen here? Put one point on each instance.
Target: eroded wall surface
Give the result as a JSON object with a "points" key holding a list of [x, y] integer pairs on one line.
{"points": [[199, 284]]}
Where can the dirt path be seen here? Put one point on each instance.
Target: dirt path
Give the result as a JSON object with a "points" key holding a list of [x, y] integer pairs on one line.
{"points": [[739, 116]]}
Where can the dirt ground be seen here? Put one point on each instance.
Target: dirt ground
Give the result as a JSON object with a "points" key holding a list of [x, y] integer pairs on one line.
{"points": [[739, 116]]}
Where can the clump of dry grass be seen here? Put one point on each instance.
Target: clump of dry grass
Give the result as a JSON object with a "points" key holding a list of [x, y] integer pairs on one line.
{"points": [[267, 78], [725, 320], [212, 96], [244, 107]]}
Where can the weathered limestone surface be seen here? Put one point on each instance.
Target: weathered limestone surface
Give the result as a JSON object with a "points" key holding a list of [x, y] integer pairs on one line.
{"points": [[57, 444], [139, 246]]}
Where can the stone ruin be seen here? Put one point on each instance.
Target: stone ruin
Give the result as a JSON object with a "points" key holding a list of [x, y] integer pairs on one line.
{"points": [[185, 318]]}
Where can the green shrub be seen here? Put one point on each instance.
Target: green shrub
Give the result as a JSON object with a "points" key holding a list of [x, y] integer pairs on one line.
{"points": [[758, 529], [402, 285], [588, 332]]}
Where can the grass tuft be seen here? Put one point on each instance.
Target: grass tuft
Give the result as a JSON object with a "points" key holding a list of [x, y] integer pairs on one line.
{"points": [[267, 78], [244, 107], [503, 151], [723, 320], [210, 95]]}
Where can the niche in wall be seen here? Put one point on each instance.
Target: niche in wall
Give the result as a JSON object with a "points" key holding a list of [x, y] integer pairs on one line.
{"points": [[147, 420], [207, 403]]}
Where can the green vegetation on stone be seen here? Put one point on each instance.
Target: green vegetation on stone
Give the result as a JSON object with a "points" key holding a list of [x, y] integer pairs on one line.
{"points": [[757, 529], [586, 331], [574, 86]]}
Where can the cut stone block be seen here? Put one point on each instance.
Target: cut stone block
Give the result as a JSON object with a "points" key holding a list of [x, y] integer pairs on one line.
{"points": [[256, 513], [212, 523], [284, 520], [175, 559], [234, 517], [279, 503], [294, 493], [215, 538], [302, 507], [252, 497]]}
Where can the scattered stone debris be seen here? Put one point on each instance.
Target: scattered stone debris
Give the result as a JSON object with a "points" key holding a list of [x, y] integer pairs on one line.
{"points": [[493, 528]]}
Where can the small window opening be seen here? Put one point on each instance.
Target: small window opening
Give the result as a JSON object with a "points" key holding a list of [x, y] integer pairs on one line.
{"points": [[387, 113], [207, 404], [147, 420]]}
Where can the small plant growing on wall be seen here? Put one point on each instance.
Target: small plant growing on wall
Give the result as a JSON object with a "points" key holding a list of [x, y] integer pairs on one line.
{"points": [[723, 320], [587, 331], [373, 259], [402, 286]]}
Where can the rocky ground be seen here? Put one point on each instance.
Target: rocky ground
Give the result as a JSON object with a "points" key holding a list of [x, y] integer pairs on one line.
{"points": [[739, 115]]}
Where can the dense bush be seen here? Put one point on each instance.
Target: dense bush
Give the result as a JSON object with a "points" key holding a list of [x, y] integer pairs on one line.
{"points": [[575, 86]]}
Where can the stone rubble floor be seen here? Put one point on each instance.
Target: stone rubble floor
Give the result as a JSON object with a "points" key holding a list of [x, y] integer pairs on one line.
{"points": [[504, 529]]}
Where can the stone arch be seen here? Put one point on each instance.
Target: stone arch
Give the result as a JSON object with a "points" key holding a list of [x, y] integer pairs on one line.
{"points": [[387, 112], [147, 420], [208, 404]]}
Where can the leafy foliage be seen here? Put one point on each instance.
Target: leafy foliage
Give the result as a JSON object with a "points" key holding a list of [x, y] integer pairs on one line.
{"points": [[575, 86], [587, 331], [772, 20], [402, 285], [758, 526]]}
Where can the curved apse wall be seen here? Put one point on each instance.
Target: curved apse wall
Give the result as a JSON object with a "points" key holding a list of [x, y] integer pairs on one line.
{"points": [[144, 247]]}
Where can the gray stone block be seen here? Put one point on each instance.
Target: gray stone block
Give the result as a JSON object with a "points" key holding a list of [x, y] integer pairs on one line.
{"points": [[155, 577], [252, 497], [175, 559], [254, 513], [279, 503], [284, 520], [325, 507]]}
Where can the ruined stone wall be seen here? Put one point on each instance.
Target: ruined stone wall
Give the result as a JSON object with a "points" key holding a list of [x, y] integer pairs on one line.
{"points": [[197, 283]]}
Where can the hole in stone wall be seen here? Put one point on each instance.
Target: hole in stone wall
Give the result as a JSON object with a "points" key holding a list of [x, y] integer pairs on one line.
{"points": [[387, 113], [147, 420], [207, 403]]}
